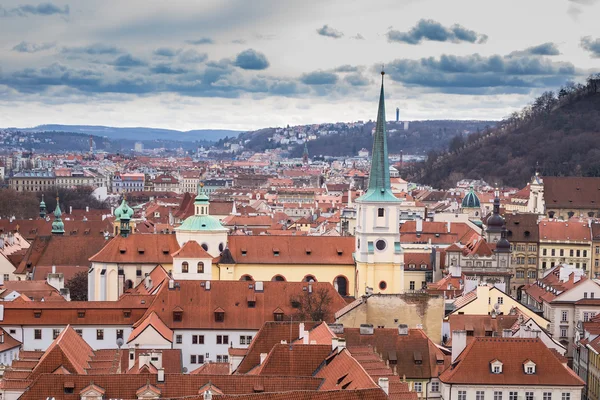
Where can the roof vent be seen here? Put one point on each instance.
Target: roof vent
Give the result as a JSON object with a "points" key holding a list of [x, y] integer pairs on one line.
{"points": [[366, 329]]}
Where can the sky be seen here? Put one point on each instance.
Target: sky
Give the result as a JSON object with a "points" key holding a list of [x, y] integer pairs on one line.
{"points": [[244, 65]]}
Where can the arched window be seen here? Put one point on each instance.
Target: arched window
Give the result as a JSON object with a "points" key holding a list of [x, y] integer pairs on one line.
{"points": [[341, 285], [278, 278], [309, 278], [200, 267], [248, 278], [185, 267], [382, 285], [205, 246], [221, 247]]}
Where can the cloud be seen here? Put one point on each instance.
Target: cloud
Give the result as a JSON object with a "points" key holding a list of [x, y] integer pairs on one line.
{"points": [[192, 56], [346, 68], [357, 80], [27, 47], [319, 78], [43, 9], [326, 30], [251, 59], [591, 45], [544, 49], [476, 74], [204, 40], [167, 69], [127, 61], [358, 36], [576, 7], [238, 41], [93, 49], [166, 52], [427, 29]]}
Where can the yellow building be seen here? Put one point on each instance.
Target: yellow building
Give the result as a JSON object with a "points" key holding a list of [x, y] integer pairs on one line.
{"points": [[565, 242]]}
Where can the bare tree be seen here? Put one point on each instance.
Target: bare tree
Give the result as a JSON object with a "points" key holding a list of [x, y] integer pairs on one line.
{"points": [[313, 305]]}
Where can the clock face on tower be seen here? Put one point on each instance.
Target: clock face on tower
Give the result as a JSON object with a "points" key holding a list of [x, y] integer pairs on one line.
{"points": [[380, 244]]}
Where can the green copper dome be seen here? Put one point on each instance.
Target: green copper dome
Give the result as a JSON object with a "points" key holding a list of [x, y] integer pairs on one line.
{"points": [[471, 200], [58, 227], [123, 211], [201, 223]]}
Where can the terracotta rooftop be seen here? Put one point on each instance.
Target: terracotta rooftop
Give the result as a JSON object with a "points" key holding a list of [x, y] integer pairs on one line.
{"points": [[138, 249], [191, 249]]}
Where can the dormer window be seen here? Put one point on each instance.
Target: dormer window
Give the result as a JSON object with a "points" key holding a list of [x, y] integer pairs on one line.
{"points": [[219, 315], [37, 313], [529, 367], [141, 250], [278, 314], [244, 251], [81, 314], [177, 314], [275, 252], [496, 366]]}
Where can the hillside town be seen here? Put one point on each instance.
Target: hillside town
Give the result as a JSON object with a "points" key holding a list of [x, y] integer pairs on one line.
{"points": [[271, 277]]}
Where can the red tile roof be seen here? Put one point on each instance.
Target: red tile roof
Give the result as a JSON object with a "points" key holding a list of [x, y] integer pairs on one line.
{"points": [[191, 249], [342, 371], [571, 230], [212, 368], [292, 250], [293, 359], [472, 367], [571, 192], [138, 249], [151, 321]]}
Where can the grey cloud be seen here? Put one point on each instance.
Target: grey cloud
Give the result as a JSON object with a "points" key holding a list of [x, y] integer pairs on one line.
{"points": [[42, 9], [27, 47], [358, 36], [167, 69], [357, 80], [93, 49], [251, 59], [328, 31], [192, 56], [591, 45], [427, 29], [476, 74], [166, 52], [544, 49], [204, 40], [127, 61], [238, 41], [319, 78], [346, 68]]}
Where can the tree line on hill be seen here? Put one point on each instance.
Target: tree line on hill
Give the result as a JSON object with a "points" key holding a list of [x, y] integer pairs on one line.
{"points": [[557, 134]]}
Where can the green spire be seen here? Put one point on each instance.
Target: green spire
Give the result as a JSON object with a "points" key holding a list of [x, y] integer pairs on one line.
{"points": [[123, 214], [58, 227], [42, 207], [379, 188]]}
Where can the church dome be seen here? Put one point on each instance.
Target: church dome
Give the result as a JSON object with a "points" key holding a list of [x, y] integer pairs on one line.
{"points": [[201, 223], [471, 200], [123, 211]]}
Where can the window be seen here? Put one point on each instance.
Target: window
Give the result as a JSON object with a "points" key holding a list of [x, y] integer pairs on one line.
{"points": [[219, 316], [55, 333], [435, 386], [530, 369], [412, 285], [185, 267], [200, 267], [532, 274], [553, 252], [544, 265], [99, 334], [513, 395], [480, 395], [200, 359], [528, 395], [520, 274], [566, 396], [6, 277], [462, 395], [222, 339], [500, 300], [380, 212], [563, 332], [178, 339], [571, 253], [119, 333], [544, 252], [547, 396], [585, 253], [37, 334], [497, 395], [578, 253], [193, 359], [418, 387], [564, 316], [177, 316]]}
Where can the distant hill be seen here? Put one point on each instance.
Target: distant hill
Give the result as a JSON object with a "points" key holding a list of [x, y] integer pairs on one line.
{"points": [[346, 139], [560, 133], [138, 133]]}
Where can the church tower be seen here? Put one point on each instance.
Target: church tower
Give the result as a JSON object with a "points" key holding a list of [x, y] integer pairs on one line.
{"points": [[378, 255], [58, 227], [305, 154], [536, 202]]}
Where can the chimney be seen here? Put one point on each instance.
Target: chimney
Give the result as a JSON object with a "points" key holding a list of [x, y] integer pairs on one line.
{"points": [[402, 329], [506, 333], [449, 224], [366, 329], [341, 344], [419, 222], [70, 210], [459, 342], [131, 358], [263, 356], [161, 375], [87, 209], [171, 284], [384, 384], [304, 335], [334, 343], [336, 328]]}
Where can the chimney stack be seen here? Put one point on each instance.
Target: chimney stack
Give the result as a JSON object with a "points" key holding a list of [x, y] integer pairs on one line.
{"points": [[459, 342], [384, 384]]}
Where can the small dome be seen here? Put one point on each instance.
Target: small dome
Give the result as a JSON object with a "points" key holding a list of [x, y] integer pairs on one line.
{"points": [[495, 221], [124, 211], [471, 200], [503, 244]]}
